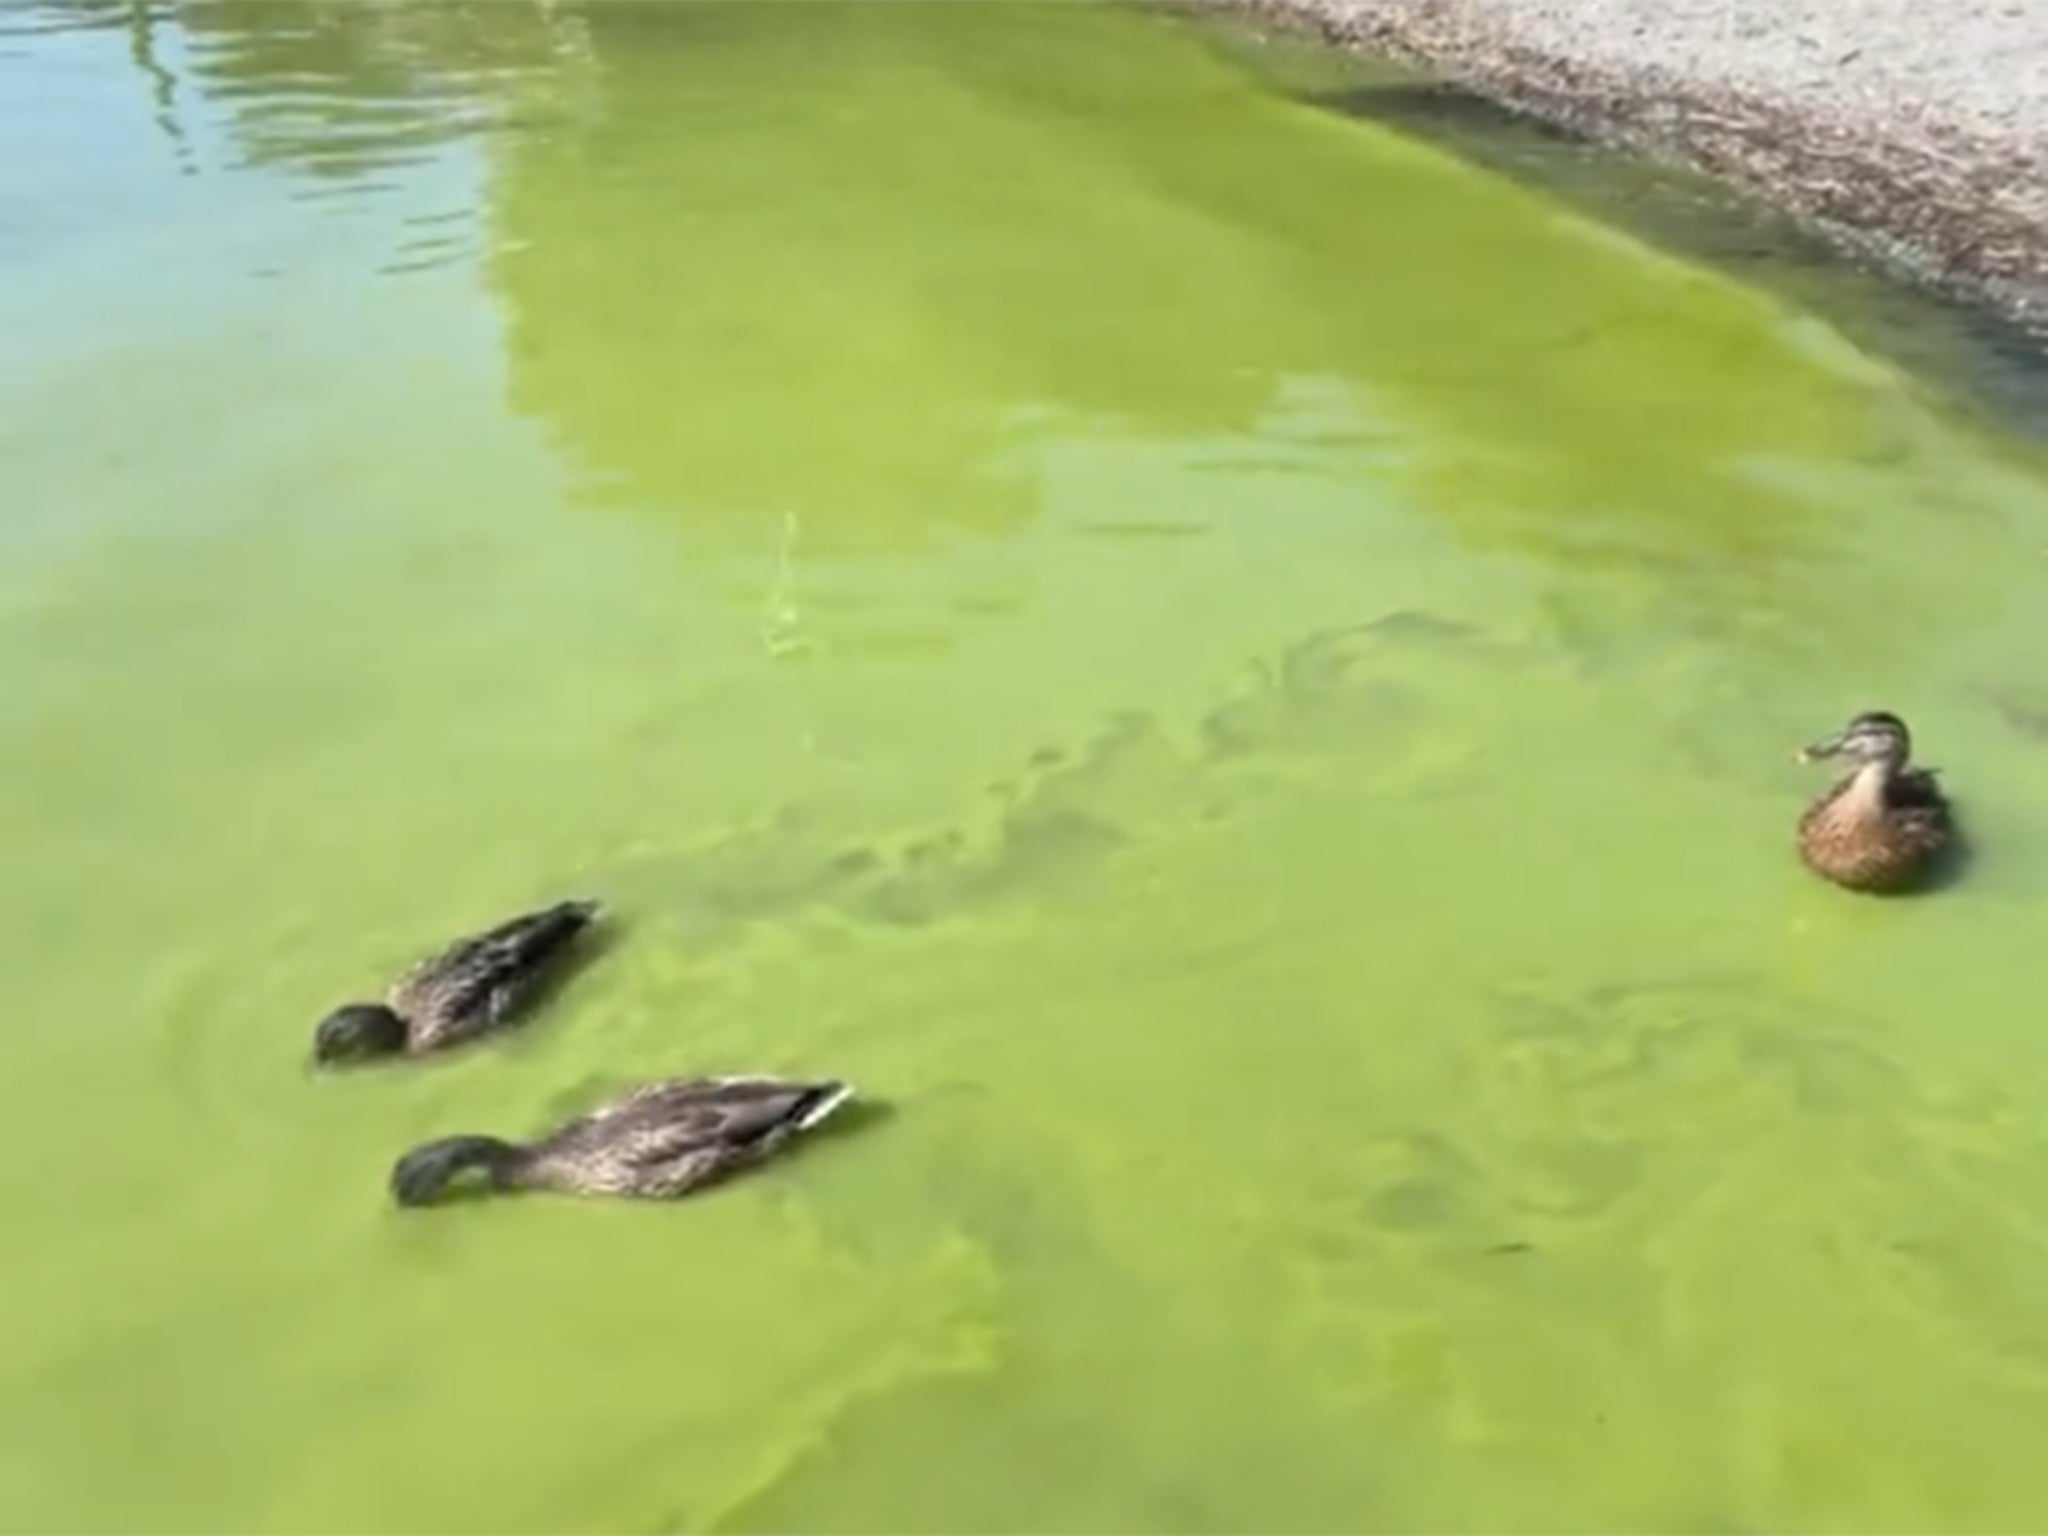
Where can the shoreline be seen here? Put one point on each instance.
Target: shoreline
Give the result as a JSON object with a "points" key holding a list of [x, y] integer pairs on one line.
{"points": [[1914, 139]]}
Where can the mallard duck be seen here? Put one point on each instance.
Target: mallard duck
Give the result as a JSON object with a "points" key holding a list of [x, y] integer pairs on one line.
{"points": [[658, 1141], [473, 985], [1883, 821]]}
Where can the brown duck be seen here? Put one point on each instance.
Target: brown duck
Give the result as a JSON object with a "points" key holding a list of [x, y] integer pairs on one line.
{"points": [[1884, 821], [659, 1141], [470, 987]]}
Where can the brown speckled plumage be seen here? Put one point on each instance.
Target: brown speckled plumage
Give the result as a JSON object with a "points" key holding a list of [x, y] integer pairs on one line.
{"points": [[1878, 847], [658, 1141], [480, 982]]}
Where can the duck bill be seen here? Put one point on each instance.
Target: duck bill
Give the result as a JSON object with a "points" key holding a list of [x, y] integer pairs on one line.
{"points": [[1820, 751]]}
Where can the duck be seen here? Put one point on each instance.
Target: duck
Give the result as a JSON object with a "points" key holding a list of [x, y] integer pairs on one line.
{"points": [[1881, 825], [471, 986], [658, 1141]]}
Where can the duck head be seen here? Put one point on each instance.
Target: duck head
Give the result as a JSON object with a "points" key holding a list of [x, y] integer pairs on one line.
{"points": [[1875, 736], [423, 1175], [358, 1032]]}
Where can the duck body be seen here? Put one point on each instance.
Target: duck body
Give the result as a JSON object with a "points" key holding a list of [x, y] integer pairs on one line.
{"points": [[659, 1141], [1881, 825], [474, 985]]}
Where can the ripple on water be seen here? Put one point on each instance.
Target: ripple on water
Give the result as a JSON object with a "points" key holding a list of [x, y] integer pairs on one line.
{"points": [[430, 241], [41, 18], [227, 1045]]}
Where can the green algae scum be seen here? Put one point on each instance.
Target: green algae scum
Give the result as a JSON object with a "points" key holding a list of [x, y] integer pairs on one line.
{"points": [[1236, 671]]}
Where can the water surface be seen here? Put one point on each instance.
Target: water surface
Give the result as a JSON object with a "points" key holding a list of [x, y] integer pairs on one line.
{"points": [[1236, 671]]}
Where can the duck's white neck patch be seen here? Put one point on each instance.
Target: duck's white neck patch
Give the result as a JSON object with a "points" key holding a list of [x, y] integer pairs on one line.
{"points": [[1865, 793]]}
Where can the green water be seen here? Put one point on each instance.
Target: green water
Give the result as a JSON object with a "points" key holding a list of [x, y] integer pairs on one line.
{"points": [[1234, 672]]}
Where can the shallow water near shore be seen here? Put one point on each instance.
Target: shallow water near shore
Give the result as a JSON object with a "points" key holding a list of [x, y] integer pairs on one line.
{"points": [[1237, 674]]}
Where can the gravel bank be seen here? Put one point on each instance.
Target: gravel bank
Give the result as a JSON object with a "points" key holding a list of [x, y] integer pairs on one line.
{"points": [[1914, 131]]}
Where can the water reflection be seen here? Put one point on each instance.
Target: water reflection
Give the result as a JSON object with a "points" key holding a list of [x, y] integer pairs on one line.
{"points": [[758, 279], [335, 88], [853, 268], [868, 278], [144, 24], [1986, 360]]}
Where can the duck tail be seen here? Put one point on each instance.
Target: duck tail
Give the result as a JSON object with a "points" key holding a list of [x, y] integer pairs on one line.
{"points": [[553, 928], [820, 1100]]}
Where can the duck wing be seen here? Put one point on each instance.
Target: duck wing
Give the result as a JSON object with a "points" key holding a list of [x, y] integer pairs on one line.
{"points": [[480, 981], [1916, 788], [1917, 799], [666, 1137], [731, 1110]]}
